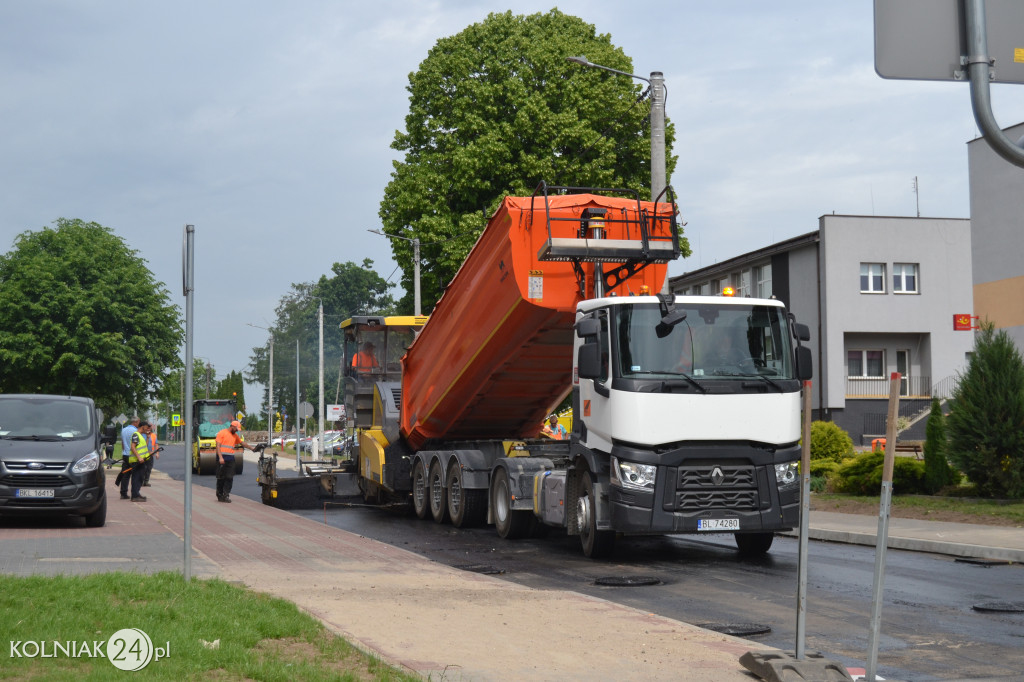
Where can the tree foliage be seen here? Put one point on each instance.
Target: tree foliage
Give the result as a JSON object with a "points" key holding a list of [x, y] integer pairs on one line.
{"points": [[937, 472], [351, 289], [829, 441], [862, 475], [986, 424], [80, 313], [493, 111]]}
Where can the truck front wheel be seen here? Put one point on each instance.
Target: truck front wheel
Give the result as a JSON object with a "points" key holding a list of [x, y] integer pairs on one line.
{"points": [[596, 543]]}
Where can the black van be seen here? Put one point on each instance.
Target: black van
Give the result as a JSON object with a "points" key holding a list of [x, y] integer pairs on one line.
{"points": [[50, 453]]}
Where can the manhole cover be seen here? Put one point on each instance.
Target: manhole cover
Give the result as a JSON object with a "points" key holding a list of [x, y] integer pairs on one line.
{"points": [[737, 629], [481, 568], [628, 581], [983, 562], [1000, 606]]}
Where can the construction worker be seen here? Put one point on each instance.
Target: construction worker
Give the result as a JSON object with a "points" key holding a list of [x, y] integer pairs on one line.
{"points": [[138, 454], [126, 445], [154, 452], [365, 360], [227, 440], [553, 429]]}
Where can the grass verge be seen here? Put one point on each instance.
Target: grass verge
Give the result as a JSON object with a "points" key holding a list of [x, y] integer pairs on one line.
{"points": [[210, 629], [933, 507]]}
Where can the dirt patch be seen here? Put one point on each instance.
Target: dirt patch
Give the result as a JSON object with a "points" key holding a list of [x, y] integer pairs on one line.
{"points": [[851, 506]]}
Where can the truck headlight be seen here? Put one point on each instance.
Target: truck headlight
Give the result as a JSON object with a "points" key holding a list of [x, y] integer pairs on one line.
{"points": [[787, 475], [90, 462], [634, 476]]}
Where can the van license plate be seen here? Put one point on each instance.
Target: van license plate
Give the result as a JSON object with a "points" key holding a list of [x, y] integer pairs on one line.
{"points": [[33, 492], [718, 524]]}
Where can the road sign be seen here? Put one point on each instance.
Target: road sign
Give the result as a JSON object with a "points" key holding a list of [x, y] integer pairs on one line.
{"points": [[335, 412], [175, 420], [305, 409], [924, 39]]}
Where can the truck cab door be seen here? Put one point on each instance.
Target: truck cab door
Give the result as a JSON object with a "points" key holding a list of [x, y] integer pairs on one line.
{"points": [[593, 378]]}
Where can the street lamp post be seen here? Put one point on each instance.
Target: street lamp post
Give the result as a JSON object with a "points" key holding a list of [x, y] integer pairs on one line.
{"points": [[659, 94], [415, 266]]}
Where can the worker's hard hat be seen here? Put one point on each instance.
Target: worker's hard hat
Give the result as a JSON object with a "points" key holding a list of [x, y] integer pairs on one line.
{"points": [[237, 425]]}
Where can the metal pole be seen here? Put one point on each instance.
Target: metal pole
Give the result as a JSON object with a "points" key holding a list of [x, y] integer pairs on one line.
{"points": [[189, 294], [805, 520], [208, 368], [416, 276], [883, 525], [657, 134], [270, 395], [298, 462], [323, 415]]}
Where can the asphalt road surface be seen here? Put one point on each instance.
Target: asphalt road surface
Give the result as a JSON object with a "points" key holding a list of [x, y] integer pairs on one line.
{"points": [[930, 628]]}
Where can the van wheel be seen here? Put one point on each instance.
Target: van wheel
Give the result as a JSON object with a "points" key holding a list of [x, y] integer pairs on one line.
{"points": [[99, 517], [754, 544]]}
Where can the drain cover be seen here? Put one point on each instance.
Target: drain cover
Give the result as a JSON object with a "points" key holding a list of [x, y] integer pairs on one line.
{"points": [[481, 568], [1000, 606], [628, 581], [737, 629]]}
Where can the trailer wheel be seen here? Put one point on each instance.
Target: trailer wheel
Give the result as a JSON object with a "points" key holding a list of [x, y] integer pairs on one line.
{"points": [[438, 499], [239, 463], [420, 490], [510, 523], [596, 543], [754, 544], [466, 507]]}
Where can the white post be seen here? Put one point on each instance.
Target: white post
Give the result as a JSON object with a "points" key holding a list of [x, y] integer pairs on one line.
{"points": [[320, 447]]}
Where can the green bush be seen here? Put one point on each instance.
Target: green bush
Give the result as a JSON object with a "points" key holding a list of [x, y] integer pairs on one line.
{"points": [[829, 441], [937, 472], [986, 425], [862, 475], [822, 471]]}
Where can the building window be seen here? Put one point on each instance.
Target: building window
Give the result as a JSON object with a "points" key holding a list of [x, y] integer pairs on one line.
{"points": [[763, 281], [872, 278], [904, 278], [715, 287], [865, 363], [741, 281]]}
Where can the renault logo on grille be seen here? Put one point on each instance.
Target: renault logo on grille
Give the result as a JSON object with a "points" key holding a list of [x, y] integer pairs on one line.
{"points": [[717, 476]]}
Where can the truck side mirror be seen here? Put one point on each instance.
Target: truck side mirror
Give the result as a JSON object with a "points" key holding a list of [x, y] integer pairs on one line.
{"points": [[589, 361], [804, 363], [802, 332], [109, 434], [588, 327]]}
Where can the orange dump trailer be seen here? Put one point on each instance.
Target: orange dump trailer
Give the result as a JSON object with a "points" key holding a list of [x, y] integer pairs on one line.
{"points": [[496, 356]]}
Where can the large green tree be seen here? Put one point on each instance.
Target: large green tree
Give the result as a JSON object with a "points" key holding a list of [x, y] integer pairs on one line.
{"points": [[493, 111], [350, 289], [986, 424], [80, 313]]}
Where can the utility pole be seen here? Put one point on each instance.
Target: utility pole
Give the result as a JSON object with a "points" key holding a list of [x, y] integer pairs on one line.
{"points": [[208, 368], [323, 415]]}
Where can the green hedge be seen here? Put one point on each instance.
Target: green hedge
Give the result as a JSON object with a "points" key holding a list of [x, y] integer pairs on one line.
{"points": [[862, 475]]}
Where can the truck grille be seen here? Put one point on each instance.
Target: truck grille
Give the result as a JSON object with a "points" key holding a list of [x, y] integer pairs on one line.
{"points": [[702, 487]]}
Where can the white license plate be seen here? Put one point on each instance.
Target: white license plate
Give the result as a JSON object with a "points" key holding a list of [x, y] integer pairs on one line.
{"points": [[718, 524], [33, 492]]}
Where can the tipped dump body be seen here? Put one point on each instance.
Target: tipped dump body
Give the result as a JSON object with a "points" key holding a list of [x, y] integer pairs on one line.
{"points": [[496, 356]]}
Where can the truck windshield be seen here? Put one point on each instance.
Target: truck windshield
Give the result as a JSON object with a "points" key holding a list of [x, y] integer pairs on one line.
{"points": [[44, 419], [214, 418], [714, 341]]}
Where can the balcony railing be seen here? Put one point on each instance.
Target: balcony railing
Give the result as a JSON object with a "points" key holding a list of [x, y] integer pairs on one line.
{"points": [[872, 387]]}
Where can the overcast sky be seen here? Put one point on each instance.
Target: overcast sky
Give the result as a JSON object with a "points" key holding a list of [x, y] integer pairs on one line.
{"points": [[267, 125]]}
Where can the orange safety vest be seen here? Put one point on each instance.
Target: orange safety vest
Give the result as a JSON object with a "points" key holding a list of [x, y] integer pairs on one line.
{"points": [[226, 442], [364, 361]]}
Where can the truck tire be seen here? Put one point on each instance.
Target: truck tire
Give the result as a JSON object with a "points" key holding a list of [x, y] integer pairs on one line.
{"points": [[754, 544], [510, 523], [596, 543], [465, 507], [420, 491], [438, 498]]}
